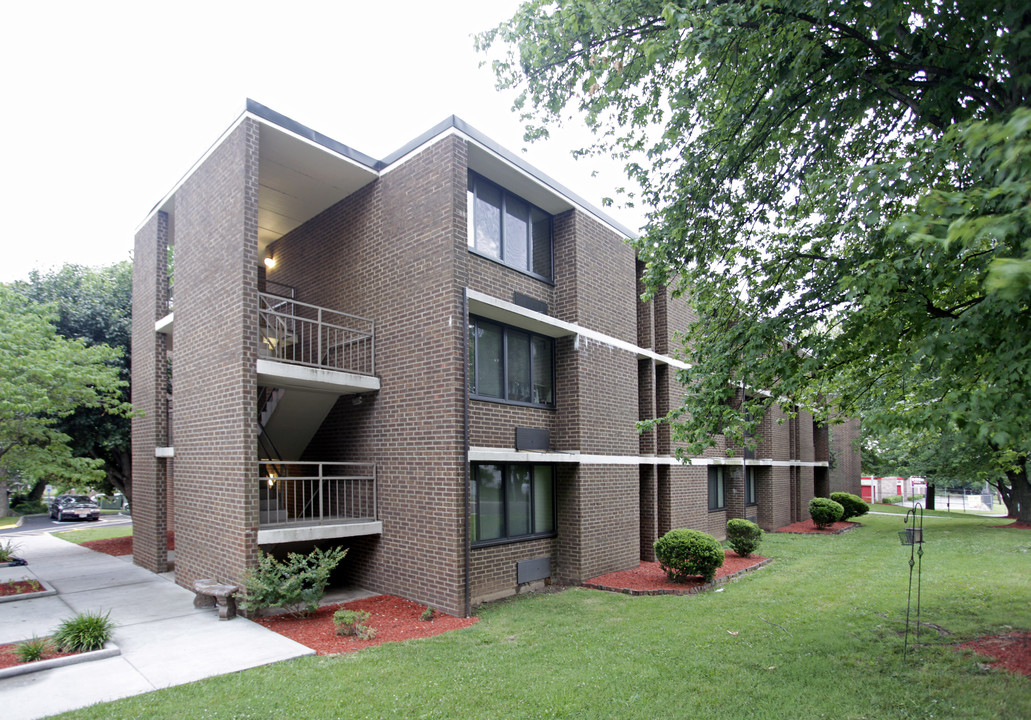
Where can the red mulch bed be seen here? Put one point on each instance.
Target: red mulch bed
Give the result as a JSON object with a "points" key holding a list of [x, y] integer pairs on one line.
{"points": [[9, 659], [1011, 651], [808, 527], [122, 545], [20, 587], [648, 578], [393, 619], [1018, 525]]}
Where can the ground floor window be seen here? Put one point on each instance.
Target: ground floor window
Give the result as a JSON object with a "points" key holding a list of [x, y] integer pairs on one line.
{"points": [[750, 496], [717, 488], [511, 501]]}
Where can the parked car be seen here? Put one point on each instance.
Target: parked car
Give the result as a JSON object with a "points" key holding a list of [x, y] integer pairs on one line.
{"points": [[74, 507]]}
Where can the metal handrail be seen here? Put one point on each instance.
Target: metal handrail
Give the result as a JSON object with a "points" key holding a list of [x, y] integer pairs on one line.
{"points": [[316, 493], [305, 334]]}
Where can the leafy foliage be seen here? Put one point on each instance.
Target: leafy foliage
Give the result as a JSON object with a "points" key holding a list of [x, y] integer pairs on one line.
{"points": [[684, 554], [34, 649], [296, 584], [841, 190], [825, 512], [44, 379], [353, 622], [851, 505], [743, 536], [85, 632], [7, 549]]}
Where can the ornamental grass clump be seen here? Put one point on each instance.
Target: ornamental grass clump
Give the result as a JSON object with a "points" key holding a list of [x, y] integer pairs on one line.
{"points": [[743, 536], [853, 505], [296, 584], [35, 649], [83, 633], [825, 512], [684, 554]]}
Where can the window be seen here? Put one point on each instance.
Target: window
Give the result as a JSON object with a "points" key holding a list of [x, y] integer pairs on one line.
{"points": [[508, 229], [717, 488], [511, 502], [750, 497], [509, 364]]}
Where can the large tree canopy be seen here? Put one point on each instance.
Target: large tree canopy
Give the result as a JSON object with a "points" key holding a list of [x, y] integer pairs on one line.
{"points": [[94, 305], [44, 378], [842, 190]]}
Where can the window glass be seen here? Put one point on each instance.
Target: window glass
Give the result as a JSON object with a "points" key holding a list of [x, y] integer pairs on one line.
{"points": [[487, 219], [543, 383], [750, 496], [517, 232], [543, 500], [518, 511], [490, 501], [473, 334], [716, 488], [474, 504], [541, 242], [518, 366], [490, 367]]}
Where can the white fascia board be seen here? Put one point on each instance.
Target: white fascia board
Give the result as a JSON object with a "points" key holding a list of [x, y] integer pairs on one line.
{"points": [[280, 374], [164, 452], [484, 454], [494, 308], [165, 324], [306, 533]]}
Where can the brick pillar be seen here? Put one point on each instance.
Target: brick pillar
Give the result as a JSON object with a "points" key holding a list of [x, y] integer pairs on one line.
{"points": [[646, 403], [149, 396], [734, 479], [649, 511]]}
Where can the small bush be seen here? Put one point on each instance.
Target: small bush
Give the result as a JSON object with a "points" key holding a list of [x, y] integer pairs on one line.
{"points": [[352, 622], [686, 553], [824, 511], [34, 649], [85, 632], [853, 505], [743, 536], [296, 584], [7, 550], [427, 614], [891, 499]]}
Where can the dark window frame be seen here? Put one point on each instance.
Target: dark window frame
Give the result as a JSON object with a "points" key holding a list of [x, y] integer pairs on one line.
{"points": [[751, 487], [505, 538], [717, 488], [475, 180], [473, 368]]}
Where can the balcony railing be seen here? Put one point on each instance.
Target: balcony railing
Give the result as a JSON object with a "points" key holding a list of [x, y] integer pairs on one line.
{"points": [[314, 493], [303, 334]]}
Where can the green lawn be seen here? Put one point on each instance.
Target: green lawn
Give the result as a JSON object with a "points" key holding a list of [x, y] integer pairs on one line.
{"points": [[814, 635], [6, 522], [101, 533]]}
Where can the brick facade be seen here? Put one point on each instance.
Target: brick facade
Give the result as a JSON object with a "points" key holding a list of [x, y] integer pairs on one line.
{"points": [[395, 249]]}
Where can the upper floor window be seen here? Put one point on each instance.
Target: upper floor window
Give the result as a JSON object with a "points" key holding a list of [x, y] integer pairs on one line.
{"points": [[717, 488], [508, 229], [751, 498], [509, 364]]}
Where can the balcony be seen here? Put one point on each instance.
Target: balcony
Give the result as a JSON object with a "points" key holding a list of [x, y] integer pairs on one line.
{"points": [[305, 501]]}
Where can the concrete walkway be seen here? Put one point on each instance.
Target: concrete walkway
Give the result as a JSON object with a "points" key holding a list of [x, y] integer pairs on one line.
{"points": [[164, 640]]}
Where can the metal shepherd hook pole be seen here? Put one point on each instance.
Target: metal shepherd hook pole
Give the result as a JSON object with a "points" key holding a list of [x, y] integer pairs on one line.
{"points": [[914, 537]]}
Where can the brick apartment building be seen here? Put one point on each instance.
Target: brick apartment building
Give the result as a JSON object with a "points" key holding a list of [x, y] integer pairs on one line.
{"points": [[436, 360]]}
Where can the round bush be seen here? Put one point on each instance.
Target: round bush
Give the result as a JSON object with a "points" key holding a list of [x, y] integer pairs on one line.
{"points": [[824, 511], [686, 553], [853, 504], [744, 536]]}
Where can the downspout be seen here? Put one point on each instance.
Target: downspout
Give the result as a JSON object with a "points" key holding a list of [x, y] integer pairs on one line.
{"points": [[465, 465]]}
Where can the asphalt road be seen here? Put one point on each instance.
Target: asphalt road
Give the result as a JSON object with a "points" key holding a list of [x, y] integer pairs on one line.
{"points": [[39, 524]]}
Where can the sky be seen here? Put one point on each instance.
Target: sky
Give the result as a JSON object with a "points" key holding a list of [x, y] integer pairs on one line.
{"points": [[108, 104]]}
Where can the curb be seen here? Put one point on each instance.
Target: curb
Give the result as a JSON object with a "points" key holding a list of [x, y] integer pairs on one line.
{"points": [[109, 650], [685, 591], [27, 596]]}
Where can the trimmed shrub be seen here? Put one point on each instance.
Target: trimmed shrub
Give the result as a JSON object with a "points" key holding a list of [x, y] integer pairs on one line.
{"points": [[85, 632], [686, 553], [296, 584], [891, 499], [853, 504], [743, 536], [35, 649], [824, 511]]}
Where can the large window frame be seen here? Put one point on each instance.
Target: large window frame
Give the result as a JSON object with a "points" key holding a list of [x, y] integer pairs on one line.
{"points": [[501, 512], [537, 366], [717, 488], [521, 236], [751, 491]]}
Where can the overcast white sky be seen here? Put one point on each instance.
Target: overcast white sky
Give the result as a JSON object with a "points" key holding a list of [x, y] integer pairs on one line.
{"points": [[108, 104]]}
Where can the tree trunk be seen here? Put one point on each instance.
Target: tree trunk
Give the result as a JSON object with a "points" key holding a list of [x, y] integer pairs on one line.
{"points": [[1006, 493], [5, 506], [121, 477], [1019, 503], [930, 497]]}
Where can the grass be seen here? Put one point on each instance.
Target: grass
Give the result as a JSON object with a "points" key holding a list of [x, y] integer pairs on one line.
{"points": [[6, 522], [814, 635], [102, 533]]}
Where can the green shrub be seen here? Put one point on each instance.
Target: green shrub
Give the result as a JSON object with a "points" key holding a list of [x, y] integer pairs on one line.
{"points": [[7, 550], [853, 505], [35, 649], [352, 622], [824, 511], [686, 553], [84, 632], [743, 536], [891, 499], [296, 584], [427, 614]]}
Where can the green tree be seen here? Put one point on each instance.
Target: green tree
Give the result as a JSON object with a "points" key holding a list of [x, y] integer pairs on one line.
{"points": [[842, 190], [94, 305], [44, 378]]}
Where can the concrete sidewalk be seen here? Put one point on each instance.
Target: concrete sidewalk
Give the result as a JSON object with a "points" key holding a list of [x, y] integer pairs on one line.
{"points": [[164, 640]]}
